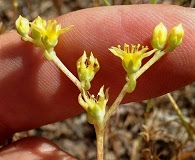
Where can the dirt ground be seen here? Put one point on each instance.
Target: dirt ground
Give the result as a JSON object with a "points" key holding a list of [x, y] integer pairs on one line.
{"points": [[148, 130]]}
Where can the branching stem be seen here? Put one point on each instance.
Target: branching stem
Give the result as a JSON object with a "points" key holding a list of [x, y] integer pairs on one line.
{"points": [[115, 104], [106, 2], [148, 64], [65, 70]]}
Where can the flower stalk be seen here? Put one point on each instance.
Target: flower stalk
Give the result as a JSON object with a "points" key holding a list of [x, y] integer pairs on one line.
{"points": [[116, 103], [67, 72], [148, 64], [99, 130], [132, 59], [45, 34]]}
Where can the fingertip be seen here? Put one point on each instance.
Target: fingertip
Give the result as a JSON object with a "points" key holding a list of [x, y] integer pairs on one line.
{"points": [[33, 148]]}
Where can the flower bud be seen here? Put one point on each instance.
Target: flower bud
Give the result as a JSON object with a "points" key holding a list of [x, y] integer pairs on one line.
{"points": [[43, 33], [159, 37], [22, 26], [176, 36], [38, 28]]}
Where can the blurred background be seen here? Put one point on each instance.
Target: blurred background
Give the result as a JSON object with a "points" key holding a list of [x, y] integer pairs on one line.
{"points": [[148, 130]]}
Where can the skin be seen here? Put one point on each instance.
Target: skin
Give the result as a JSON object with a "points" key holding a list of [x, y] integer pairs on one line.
{"points": [[34, 92]]}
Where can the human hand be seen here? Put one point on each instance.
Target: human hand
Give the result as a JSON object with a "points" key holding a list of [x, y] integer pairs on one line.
{"points": [[34, 92]]}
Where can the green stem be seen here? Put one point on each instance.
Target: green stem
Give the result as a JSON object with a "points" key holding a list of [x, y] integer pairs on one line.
{"points": [[100, 141], [155, 58], [65, 70], [158, 54], [153, 1], [106, 2], [179, 114], [115, 104]]}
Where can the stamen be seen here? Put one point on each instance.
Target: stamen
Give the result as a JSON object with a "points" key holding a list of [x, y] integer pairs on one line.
{"points": [[133, 48], [126, 48], [137, 48]]}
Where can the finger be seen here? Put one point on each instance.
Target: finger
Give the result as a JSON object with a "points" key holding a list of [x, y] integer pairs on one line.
{"points": [[33, 148], [34, 92], [115, 25]]}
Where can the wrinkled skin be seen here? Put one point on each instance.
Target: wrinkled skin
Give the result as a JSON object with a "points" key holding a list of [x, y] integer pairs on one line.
{"points": [[34, 92]]}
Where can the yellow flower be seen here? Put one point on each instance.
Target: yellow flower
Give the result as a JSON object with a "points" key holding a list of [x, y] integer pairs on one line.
{"points": [[87, 67], [22, 26], [95, 107], [159, 37], [176, 36], [48, 31], [42, 33], [40, 26], [131, 58]]}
